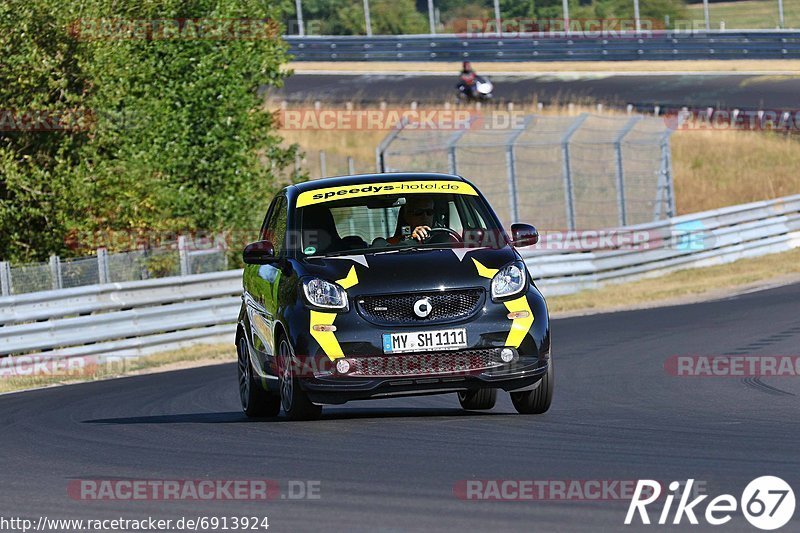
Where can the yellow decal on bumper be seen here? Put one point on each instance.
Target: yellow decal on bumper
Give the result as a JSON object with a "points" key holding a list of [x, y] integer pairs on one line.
{"points": [[519, 326], [326, 339]]}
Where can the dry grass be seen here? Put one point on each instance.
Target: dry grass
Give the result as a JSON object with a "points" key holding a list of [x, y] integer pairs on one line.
{"points": [[534, 67], [719, 168], [679, 286], [712, 169], [748, 14], [172, 360]]}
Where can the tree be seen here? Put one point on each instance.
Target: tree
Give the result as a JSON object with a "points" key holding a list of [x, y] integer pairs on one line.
{"points": [[177, 139]]}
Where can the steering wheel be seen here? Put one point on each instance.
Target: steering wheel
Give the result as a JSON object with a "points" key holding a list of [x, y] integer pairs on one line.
{"points": [[436, 235]]}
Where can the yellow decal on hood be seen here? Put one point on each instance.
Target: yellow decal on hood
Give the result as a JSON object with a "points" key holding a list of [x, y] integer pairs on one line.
{"points": [[326, 339], [483, 271], [329, 194], [351, 279]]}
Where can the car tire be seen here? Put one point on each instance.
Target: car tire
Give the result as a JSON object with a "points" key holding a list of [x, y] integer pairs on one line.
{"points": [[536, 401], [295, 401], [256, 401], [478, 400]]}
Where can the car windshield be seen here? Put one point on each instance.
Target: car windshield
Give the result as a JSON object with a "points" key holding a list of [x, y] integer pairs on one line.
{"points": [[376, 223]]}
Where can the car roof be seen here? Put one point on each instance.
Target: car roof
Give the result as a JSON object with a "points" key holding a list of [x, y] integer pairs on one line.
{"points": [[359, 179]]}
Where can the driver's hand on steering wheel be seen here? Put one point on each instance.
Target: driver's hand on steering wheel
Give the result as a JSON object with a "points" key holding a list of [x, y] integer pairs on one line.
{"points": [[421, 233]]}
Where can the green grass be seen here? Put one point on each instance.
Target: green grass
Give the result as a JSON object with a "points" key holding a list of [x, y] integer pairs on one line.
{"points": [[748, 14]]}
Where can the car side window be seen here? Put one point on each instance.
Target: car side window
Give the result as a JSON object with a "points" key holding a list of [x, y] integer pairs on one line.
{"points": [[275, 228]]}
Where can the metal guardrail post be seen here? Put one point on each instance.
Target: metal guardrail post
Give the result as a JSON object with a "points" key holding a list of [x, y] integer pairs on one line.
{"points": [[103, 273], [323, 170], [511, 165], [623, 215], [5, 278], [183, 255], [55, 272], [569, 193]]}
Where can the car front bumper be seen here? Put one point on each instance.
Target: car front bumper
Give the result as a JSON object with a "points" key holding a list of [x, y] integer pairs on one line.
{"points": [[337, 389]]}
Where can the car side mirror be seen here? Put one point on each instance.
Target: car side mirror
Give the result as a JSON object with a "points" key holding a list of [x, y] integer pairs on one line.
{"points": [[524, 235], [259, 253]]}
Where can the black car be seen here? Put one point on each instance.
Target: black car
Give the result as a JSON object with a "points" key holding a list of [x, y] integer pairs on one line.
{"points": [[377, 286]]}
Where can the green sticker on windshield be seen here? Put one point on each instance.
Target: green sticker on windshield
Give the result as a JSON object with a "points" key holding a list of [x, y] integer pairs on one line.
{"points": [[309, 250]]}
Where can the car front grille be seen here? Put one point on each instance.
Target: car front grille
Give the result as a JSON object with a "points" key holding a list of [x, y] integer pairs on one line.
{"points": [[391, 309], [425, 364]]}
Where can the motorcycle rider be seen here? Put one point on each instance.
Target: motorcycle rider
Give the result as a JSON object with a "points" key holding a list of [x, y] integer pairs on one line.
{"points": [[468, 79]]}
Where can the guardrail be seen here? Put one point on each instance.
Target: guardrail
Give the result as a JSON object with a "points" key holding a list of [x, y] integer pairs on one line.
{"points": [[136, 318], [670, 45], [687, 241]]}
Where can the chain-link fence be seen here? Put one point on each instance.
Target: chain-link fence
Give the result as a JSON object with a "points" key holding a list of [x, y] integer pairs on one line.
{"points": [[471, 17], [588, 171], [321, 164], [183, 257]]}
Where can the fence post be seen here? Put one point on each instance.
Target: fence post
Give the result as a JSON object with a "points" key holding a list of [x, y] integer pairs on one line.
{"points": [[452, 167], [55, 271], [666, 166], [299, 8], [367, 21], [5, 278], [380, 160], [511, 165], [102, 266], [323, 171], [183, 255], [569, 194], [622, 208]]}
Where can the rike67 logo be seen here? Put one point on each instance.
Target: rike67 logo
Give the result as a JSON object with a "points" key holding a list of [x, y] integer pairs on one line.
{"points": [[767, 503]]}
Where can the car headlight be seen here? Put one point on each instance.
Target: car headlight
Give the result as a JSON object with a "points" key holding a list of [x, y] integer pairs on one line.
{"points": [[321, 293], [510, 280]]}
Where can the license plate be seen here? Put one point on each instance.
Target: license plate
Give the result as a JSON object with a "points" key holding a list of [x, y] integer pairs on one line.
{"points": [[423, 341]]}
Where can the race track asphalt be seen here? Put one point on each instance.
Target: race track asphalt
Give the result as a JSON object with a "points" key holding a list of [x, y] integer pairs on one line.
{"points": [[743, 91], [392, 465]]}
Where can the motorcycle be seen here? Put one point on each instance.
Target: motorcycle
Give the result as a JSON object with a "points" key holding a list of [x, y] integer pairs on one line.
{"points": [[482, 90]]}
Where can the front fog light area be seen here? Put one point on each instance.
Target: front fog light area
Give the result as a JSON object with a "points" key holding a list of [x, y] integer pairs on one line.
{"points": [[343, 366], [507, 355]]}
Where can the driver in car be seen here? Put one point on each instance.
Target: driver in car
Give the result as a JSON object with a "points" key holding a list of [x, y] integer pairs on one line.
{"points": [[414, 220]]}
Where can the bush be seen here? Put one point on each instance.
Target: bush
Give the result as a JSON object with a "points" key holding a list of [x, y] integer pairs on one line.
{"points": [[176, 142]]}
